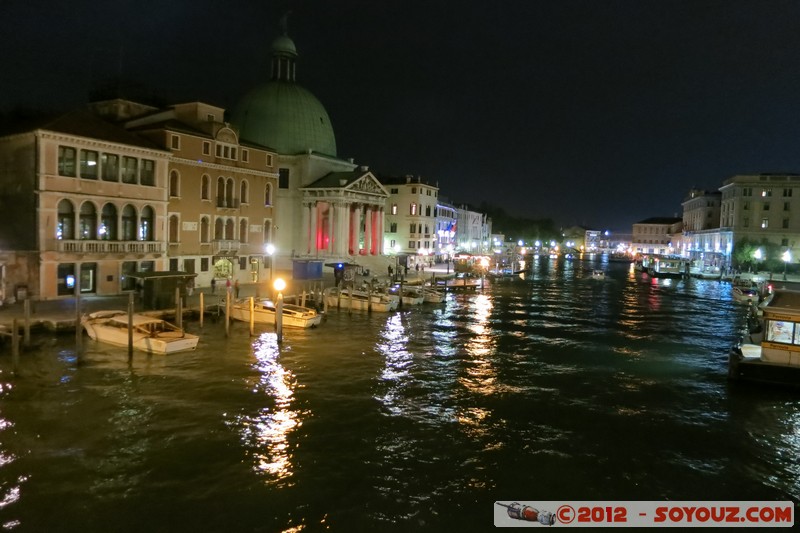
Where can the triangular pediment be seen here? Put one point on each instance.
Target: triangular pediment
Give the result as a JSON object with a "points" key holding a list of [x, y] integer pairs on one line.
{"points": [[367, 183]]}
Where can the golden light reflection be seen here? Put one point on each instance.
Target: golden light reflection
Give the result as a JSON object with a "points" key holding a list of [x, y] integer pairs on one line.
{"points": [[266, 434]]}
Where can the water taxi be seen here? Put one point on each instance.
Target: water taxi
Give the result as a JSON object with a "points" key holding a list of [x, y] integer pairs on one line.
{"points": [[773, 353], [264, 312], [150, 334]]}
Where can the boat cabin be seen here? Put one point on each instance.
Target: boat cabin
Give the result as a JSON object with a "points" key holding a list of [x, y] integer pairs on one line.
{"points": [[781, 343]]}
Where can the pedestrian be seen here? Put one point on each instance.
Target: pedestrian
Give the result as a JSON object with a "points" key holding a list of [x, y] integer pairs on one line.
{"points": [[213, 285], [417, 267], [236, 288], [228, 285]]}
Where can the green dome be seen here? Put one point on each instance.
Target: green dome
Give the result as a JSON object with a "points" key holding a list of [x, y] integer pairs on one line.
{"points": [[284, 44], [285, 117]]}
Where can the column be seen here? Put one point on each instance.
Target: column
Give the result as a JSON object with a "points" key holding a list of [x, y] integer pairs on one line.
{"points": [[306, 244], [314, 229], [331, 233], [343, 222], [368, 231], [381, 217]]}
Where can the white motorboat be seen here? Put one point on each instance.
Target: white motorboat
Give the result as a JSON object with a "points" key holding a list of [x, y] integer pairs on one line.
{"points": [[150, 334], [292, 316], [431, 295], [410, 295], [598, 274], [362, 300]]}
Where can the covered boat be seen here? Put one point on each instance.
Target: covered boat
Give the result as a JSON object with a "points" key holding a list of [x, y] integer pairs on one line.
{"points": [[264, 312], [150, 334], [772, 354]]}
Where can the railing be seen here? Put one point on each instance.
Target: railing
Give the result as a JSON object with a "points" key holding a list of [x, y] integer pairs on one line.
{"points": [[226, 203], [109, 247], [221, 246]]}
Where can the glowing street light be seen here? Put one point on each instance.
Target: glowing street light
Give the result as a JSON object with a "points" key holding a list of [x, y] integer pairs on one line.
{"points": [[787, 256], [757, 255], [279, 285]]}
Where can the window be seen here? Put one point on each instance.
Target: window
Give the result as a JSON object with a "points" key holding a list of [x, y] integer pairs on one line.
{"points": [[747, 191], [411, 244], [242, 263], [394, 209], [781, 331], [175, 142], [787, 193], [765, 193], [205, 187], [87, 222], [109, 166], [148, 176], [243, 192], [243, 231], [427, 210], [413, 209], [392, 244], [394, 191], [268, 194], [413, 190], [173, 228], [245, 155], [412, 228], [108, 223], [746, 205], [89, 169], [283, 178], [65, 227], [766, 206], [129, 169], [269, 160], [204, 264], [147, 224], [226, 151], [206, 148], [174, 184], [764, 223], [393, 227], [204, 230], [786, 206], [785, 223], [66, 161]]}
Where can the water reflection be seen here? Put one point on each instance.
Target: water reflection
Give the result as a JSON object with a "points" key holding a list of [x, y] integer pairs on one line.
{"points": [[9, 491], [266, 434]]}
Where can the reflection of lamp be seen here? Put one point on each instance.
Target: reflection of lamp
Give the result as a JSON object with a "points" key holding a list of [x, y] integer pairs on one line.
{"points": [[270, 249], [279, 285], [787, 256]]}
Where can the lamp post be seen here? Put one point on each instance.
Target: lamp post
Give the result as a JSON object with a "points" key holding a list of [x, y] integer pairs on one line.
{"points": [[757, 255], [279, 285], [269, 249], [787, 256]]}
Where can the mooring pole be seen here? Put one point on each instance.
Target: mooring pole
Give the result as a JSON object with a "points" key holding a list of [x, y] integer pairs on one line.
{"points": [[202, 309], [178, 308], [130, 327], [252, 316], [15, 346], [27, 339], [227, 313]]}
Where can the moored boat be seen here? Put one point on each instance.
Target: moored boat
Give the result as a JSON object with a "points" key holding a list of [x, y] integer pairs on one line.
{"points": [[598, 274], [264, 312], [431, 295], [149, 334], [361, 300], [773, 353]]}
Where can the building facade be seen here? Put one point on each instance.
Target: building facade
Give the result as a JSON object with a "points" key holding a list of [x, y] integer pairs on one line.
{"points": [[658, 235], [411, 219]]}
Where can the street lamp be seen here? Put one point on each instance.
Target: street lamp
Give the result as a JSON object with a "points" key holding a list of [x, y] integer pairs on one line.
{"points": [[279, 285], [757, 255], [787, 256]]}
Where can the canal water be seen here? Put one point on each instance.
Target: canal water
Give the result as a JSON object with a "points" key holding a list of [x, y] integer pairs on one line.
{"points": [[554, 387]]}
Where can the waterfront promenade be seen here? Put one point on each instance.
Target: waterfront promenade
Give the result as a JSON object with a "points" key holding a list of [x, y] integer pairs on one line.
{"points": [[61, 314]]}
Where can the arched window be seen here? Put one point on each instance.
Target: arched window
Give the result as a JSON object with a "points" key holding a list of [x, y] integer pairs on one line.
{"points": [[243, 230], [243, 192], [174, 184], [229, 193], [88, 221], [219, 230], [205, 187], [147, 225], [65, 229], [108, 223], [129, 223], [267, 231], [204, 227], [173, 228], [229, 227], [268, 194], [220, 192]]}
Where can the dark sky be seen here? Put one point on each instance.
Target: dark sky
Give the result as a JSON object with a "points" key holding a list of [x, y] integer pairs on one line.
{"points": [[595, 112]]}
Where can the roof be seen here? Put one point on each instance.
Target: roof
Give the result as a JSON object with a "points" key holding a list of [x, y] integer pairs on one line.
{"points": [[783, 301], [660, 220], [84, 123]]}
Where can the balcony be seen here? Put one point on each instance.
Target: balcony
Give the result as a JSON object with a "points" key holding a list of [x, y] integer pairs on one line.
{"points": [[227, 203], [109, 247], [225, 247]]}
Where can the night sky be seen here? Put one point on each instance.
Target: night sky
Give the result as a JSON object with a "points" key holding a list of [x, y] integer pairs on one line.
{"points": [[599, 113]]}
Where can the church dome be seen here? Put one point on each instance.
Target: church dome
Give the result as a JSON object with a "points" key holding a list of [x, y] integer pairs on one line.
{"points": [[281, 114]]}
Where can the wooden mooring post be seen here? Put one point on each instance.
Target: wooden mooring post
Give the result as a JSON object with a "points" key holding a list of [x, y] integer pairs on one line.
{"points": [[130, 327], [202, 309], [15, 346]]}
